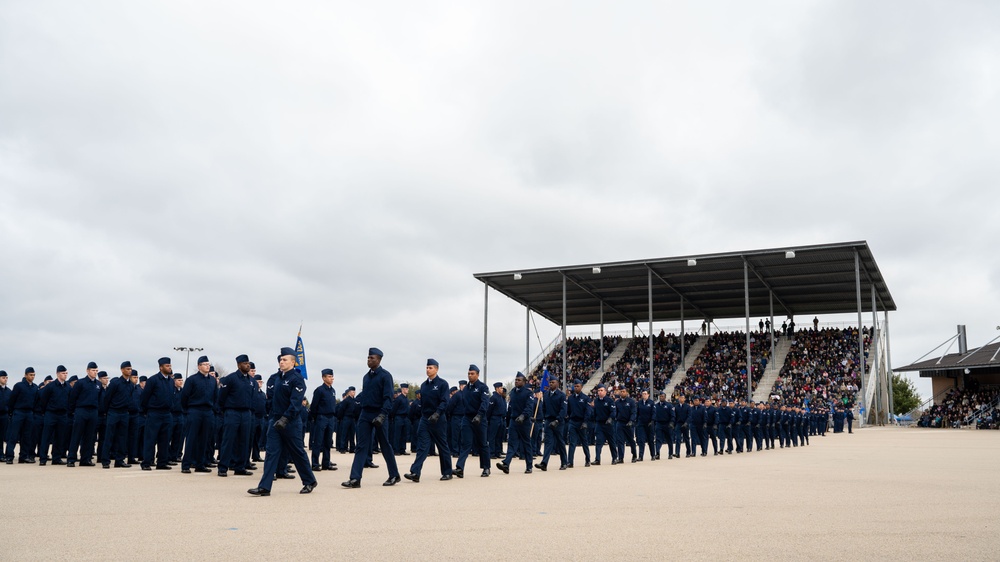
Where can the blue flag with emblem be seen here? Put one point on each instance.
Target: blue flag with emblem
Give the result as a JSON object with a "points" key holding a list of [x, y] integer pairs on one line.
{"points": [[300, 356], [545, 380]]}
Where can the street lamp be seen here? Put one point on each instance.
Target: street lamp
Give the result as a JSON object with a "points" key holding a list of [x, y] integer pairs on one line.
{"points": [[187, 362]]}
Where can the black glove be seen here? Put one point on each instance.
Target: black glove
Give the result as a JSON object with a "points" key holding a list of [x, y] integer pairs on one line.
{"points": [[609, 422], [378, 421], [476, 420], [554, 424], [629, 424], [649, 425], [519, 420], [583, 426], [684, 426], [281, 424], [433, 418], [670, 426]]}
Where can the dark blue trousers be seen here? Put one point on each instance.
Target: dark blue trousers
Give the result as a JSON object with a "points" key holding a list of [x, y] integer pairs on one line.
{"points": [[322, 439], [577, 436], [605, 434], [644, 438], [623, 434], [473, 441], [366, 434], [235, 450], [519, 442], [156, 438], [116, 438], [282, 445], [84, 435], [20, 431], [664, 435], [495, 436], [681, 435], [428, 432], [54, 435], [346, 435], [176, 435], [199, 430], [554, 439]]}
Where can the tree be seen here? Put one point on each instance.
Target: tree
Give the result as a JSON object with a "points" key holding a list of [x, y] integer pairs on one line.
{"points": [[904, 394]]}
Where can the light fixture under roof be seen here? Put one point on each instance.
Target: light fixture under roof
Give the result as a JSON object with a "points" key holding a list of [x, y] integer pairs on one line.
{"points": [[517, 277], [596, 270], [692, 263], [789, 254]]}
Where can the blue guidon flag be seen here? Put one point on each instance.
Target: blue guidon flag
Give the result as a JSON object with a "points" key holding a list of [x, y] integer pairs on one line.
{"points": [[300, 356], [545, 380]]}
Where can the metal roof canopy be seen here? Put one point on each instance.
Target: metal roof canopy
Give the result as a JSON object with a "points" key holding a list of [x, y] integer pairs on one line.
{"points": [[819, 279], [983, 360]]}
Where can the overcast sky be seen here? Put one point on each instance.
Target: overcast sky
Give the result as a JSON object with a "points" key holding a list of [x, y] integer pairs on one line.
{"points": [[213, 174]]}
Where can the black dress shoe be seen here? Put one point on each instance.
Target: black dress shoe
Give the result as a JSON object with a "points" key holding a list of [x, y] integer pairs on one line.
{"points": [[392, 481], [370, 465], [9, 461], [568, 465], [41, 463], [316, 468], [460, 472], [203, 469], [331, 467], [542, 466], [183, 470], [71, 464], [172, 463], [123, 465], [587, 464], [405, 454], [105, 466], [87, 463], [351, 484], [596, 463], [164, 467], [55, 463], [251, 466], [562, 467], [211, 465], [223, 475], [147, 467], [446, 477], [308, 488], [284, 477], [291, 470], [242, 473], [527, 471], [503, 468], [485, 474], [259, 492], [412, 477]]}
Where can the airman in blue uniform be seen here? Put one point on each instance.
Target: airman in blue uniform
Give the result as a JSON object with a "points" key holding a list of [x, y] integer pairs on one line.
{"points": [[625, 416], [725, 417], [20, 429], [154, 404], [699, 435], [476, 400], [285, 433], [4, 414], [645, 434], [117, 398], [496, 412], [579, 410], [520, 409], [236, 392], [663, 416], [711, 421], [604, 418], [198, 398], [373, 422], [554, 416], [434, 400], [84, 401], [401, 420], [53, 401], [322, 414], [682, 415]]}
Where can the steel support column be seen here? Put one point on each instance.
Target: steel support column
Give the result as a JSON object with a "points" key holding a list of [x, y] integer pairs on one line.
{"points": [[861, 341], [486, 322], [649, 278], [746, 300]]}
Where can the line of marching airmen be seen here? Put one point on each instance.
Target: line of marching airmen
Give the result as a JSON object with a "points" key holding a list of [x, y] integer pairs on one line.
{"points": [[206, 422]]}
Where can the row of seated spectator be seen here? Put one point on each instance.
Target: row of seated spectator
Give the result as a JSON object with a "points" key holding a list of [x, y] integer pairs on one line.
{"points": [[973, 405], [720, 369], [631, 372], [821, 366], [582, 359]]}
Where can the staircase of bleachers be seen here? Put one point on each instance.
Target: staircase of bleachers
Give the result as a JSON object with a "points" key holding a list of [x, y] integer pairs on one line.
{"points": [[613, 358], [631, 372], [961, 407], [766, 385], [720, 369], [821, 366], [690, 355], [582, 360]]}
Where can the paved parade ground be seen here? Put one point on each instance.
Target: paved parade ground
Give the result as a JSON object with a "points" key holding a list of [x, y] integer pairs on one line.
{"points": [[892, 493]]}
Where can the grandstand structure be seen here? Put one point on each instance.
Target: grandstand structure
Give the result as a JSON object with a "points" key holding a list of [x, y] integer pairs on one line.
{"points": [[795, 281]]}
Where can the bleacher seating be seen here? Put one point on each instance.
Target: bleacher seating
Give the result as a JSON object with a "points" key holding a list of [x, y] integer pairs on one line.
{"points": [[958, 405], [720, 369], [822, 365], [583, 359], [631, 372]]}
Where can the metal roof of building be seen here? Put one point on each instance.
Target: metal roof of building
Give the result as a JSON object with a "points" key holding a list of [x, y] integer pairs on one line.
{"points": [[985, 357], [819, 279]]}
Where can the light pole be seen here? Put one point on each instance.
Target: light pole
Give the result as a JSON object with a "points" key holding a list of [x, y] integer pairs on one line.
{"points": [[187, 362]]}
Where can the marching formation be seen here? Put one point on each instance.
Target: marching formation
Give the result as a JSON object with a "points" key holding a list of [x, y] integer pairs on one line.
{"points": [[206, 423]]}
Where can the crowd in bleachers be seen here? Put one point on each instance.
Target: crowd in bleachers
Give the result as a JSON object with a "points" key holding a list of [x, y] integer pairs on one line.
{"points": [[582, 360], [822, 365], [958, 405], [720, 369], [631, 372]]}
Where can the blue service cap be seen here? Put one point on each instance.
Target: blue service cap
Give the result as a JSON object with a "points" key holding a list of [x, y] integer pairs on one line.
{"points": [[61, 369], [126, 364], [29, 370], [252, 366], [519, 375], [375, 351], [242, 358], [498, 385], [453, 389], [351, 389], [48, 378], [163, 361], [203, 359], [600, 386], [102, 374], [577, 381], [91, 365], [142, 378], [404, 385], [258, 378], [285, 351], [178, 376], [327, 372], [462, 382], [74, 378], [433, 362], [473, 368], [3, 373]]}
